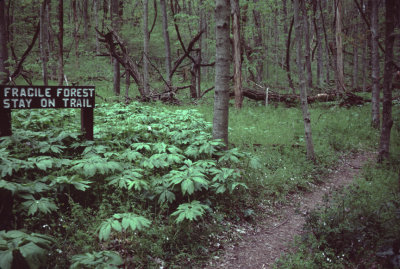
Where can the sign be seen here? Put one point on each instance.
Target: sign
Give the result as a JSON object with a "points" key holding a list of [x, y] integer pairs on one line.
{"points": [[28, 97]]}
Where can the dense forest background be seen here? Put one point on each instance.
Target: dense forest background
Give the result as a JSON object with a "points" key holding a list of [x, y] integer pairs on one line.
{"points": [[155, 188]]}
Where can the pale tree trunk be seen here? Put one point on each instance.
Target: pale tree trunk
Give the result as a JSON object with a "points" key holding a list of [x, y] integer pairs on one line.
{"points": [[276, 42], [43, 41], [145, 47], [96, 20], [318, 37], [306, 27], [85, 19], [354, 82], [340, 87], [387, 121], [375, 64], [116, 66], [237, 63], [3, 44], [303, 86], [364, 64], [222, 68], [60, 38], [75, 32], [166, 41]]}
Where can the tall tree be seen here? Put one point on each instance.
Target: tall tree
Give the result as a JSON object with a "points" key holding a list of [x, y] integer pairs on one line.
{"points": [[340, 87], [375, 63], [391, 6], [60, 38], [306, 27], [146, 46], [116, 66], [43, 39], [318, 37], [237, 74], [297, 6], [222, 67], [166, 41], [3, 44]]}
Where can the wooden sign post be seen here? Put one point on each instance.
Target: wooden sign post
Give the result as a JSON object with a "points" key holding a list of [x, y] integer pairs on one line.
{"points": [[28, 97]]}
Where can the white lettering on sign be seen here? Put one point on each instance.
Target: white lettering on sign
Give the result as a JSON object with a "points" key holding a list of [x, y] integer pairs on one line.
{"points": [[17, 103], [47, 102], [74, 92], [76, 103]]}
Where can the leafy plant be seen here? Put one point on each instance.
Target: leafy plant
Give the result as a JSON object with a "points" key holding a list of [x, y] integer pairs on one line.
{"points": [[32, 247], [98, 260], [189, 211]]}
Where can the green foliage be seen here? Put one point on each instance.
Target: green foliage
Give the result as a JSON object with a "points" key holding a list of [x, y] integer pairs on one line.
{"points": [[98, 260], [33, 247], [121, 222], [189, 211]]}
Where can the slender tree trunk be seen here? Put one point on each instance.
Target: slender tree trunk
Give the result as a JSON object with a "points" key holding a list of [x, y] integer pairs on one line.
{"points": [[43, 41], [375, 65], [258, 43], [75, 32], [306, 26], [97, 24], [364, 64], [387, 122], [339, 48], [237, 74], [3, 44], [145, 47], [354, 82], [303, 86], [318, 37], [166, 41], [116, 66], [222, 67], [287, 65], [127, 84], [60, 38], [85, 19]]}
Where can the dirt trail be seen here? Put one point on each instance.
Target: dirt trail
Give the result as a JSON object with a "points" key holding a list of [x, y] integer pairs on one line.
{"points": [[260, 246]]}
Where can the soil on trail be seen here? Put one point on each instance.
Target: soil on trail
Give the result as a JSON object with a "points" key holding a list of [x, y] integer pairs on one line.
{"points": [[261, 245]]}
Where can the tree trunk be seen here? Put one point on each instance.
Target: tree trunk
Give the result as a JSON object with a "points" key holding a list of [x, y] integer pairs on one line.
{"points": [[318, 37], [340, 87], [222, 68], [287, 65], [306, 26], [354, 82], [75, 32], [387, 122], [375, 64], [303, 86], [364, 64], [166, 41], [60, 38], [145, 47], [85, 19], [237, 63], [116, 66], [3, 44], [96, 20], [43, 41], [258, 45]]}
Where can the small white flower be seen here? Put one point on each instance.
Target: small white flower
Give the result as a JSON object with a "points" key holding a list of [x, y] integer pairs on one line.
{"points": [[149, 128]]}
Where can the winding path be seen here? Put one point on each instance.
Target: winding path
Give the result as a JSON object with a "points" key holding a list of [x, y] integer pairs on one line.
{"points": [[262, 245]]}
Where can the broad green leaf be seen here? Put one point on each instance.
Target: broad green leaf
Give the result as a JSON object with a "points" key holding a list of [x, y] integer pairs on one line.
{"points": [[6, 258]]}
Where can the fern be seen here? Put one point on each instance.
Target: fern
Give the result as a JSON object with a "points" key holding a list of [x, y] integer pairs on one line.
{"points": [[189, 211]]}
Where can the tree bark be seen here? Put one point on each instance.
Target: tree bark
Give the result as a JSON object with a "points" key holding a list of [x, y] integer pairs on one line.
{"points": [[375, 64], [3, 44], [222, 67], [318, 37], [60, 38], [145, 47], [85, 19], [237, 66], [43, 41], [75, 32], [96, 19], [258, 44], [287, 65], [116, 66], [391, 11], [166, 41], [306, 26], [340, 87], [303, 86], [354, 83]]}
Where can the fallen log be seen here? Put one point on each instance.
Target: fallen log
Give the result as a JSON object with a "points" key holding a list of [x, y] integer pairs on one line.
{"points": [[347, 99]]}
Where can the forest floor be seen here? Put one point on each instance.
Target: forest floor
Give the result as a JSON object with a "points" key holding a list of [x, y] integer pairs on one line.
{"points": [[261, 244]]}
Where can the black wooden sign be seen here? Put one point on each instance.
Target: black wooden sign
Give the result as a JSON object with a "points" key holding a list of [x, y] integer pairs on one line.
{"points": [[28, 97]]}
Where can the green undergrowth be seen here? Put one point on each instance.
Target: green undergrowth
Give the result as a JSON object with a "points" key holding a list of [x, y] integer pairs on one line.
{"points": [[153, 189], [360, 226]]}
